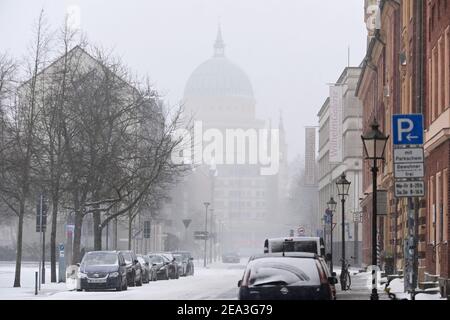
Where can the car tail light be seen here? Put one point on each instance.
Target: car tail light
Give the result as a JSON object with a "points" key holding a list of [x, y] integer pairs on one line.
{"points": [[246, 278], [323, 276]]}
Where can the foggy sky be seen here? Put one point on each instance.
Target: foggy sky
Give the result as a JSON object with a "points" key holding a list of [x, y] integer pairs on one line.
{"points": [[290, 49]]}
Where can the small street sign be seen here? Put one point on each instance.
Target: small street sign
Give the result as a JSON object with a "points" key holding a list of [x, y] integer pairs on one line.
{"points": [[409, 170], [409, 155], [404, 189], [201, 235], [187, 222], [301, 231], [407, 129]]}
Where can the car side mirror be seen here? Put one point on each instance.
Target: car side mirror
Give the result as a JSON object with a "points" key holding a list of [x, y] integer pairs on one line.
{"points": [[332, 280], [78, 265], [136, 261], [154, 265], [239, 283]]}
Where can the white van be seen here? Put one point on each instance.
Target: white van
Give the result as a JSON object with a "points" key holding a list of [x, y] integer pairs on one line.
{"points": [[295, 244]]}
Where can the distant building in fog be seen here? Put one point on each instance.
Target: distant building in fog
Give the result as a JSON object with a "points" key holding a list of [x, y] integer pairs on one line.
{"points": [[245, 204], [340, 150]]}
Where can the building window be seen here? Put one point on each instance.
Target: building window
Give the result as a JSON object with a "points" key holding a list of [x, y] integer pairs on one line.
{"points": [[440, 68]]}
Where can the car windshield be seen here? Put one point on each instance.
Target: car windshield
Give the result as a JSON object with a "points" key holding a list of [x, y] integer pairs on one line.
{"points": [[127, 257], [282, 271], [156, 259], [141, 260], [100, 259], [179, 257], [168, 256], [294, 246]]}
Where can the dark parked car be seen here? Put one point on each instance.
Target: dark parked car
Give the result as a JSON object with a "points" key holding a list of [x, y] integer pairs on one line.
{"points": [[103, 270], [172, 266], [148, 270], [290, 276], [231, 257], [187, 257], [134, 269], [161, 266], [182, 264]]}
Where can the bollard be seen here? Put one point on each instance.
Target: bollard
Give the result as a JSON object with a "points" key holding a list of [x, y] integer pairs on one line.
{"points": [[36, 283]]}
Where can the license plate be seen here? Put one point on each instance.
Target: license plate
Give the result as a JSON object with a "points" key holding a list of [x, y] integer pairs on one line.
{"points": [[96, 280]]}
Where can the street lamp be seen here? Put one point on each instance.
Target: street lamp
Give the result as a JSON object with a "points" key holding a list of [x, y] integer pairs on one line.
{"points": [[331, 209], [206, 231], [374, 148], [343, 185]]}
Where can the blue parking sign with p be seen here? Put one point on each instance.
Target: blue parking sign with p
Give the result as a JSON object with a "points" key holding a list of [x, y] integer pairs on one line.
{"points": [[407, 129]]}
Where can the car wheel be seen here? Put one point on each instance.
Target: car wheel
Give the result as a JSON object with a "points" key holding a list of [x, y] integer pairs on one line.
{"points": [[133, 280], [125, 284], [120, 286], [139, 283]]}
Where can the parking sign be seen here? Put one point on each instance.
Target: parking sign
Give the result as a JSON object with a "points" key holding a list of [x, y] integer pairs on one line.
{"points": [[407, 129]]}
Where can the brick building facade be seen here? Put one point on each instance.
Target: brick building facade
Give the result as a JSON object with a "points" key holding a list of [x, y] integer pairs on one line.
{"points": [[437, 133]]}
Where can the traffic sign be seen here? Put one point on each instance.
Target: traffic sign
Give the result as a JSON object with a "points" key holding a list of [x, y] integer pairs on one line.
{"points": [[187, 222], [405, 189], [201, 235], [301, 231], [409, 170], [408, 155], [407, 129]]}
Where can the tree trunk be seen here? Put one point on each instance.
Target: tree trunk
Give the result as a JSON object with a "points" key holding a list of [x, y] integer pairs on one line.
{"points": [[130, 222], [53, 239], [19, 245], [97, 231], [77, 237]]}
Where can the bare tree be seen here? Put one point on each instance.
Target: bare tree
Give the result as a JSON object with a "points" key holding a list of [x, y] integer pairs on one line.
{"points": [[19, 152]]}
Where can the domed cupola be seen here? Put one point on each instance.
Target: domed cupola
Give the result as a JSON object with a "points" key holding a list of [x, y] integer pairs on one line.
{"points": [[218, 77]]}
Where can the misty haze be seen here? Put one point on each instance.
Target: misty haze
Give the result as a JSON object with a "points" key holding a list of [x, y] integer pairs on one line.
{"points": [[250, 150]]}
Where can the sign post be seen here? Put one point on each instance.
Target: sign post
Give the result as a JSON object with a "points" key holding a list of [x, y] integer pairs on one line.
{"points": [[409, 171], [62, 263]]}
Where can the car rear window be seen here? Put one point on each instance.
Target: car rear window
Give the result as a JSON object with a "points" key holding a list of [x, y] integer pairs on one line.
{"points": [[294, 246], [282, 271]]}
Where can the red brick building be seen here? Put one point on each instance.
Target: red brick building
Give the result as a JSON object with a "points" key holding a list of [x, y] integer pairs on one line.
{"points": [[437, 133], [377, 86]]}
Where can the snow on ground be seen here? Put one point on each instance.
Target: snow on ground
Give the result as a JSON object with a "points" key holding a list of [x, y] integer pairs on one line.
{"points": [[397, 287], [217, 281]]}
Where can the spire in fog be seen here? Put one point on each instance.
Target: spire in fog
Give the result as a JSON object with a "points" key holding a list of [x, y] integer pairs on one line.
{"points": [[219, 45]]}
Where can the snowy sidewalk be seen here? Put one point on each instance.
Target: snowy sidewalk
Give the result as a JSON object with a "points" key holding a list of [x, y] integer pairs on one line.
{"points": [[397, 287]]}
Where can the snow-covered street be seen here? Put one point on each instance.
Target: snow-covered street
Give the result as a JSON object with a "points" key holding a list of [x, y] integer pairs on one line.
{"points": [[217, 282]]}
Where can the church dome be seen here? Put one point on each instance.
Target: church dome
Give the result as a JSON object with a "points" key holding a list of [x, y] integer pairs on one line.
{"points": [[219, 77]]}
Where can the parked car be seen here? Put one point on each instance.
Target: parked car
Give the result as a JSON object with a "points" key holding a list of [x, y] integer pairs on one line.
{"points": [[161, 266], [182, 264], [134, 269], [295, 244], [103, 270], [231, 257], [189, 262], [286, 276], [173, 267], [148, 270]]}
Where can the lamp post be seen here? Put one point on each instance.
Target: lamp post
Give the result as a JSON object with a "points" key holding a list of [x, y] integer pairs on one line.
{"points": [[374, 148], [206, 231], [343, 185], [331, 208]]}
